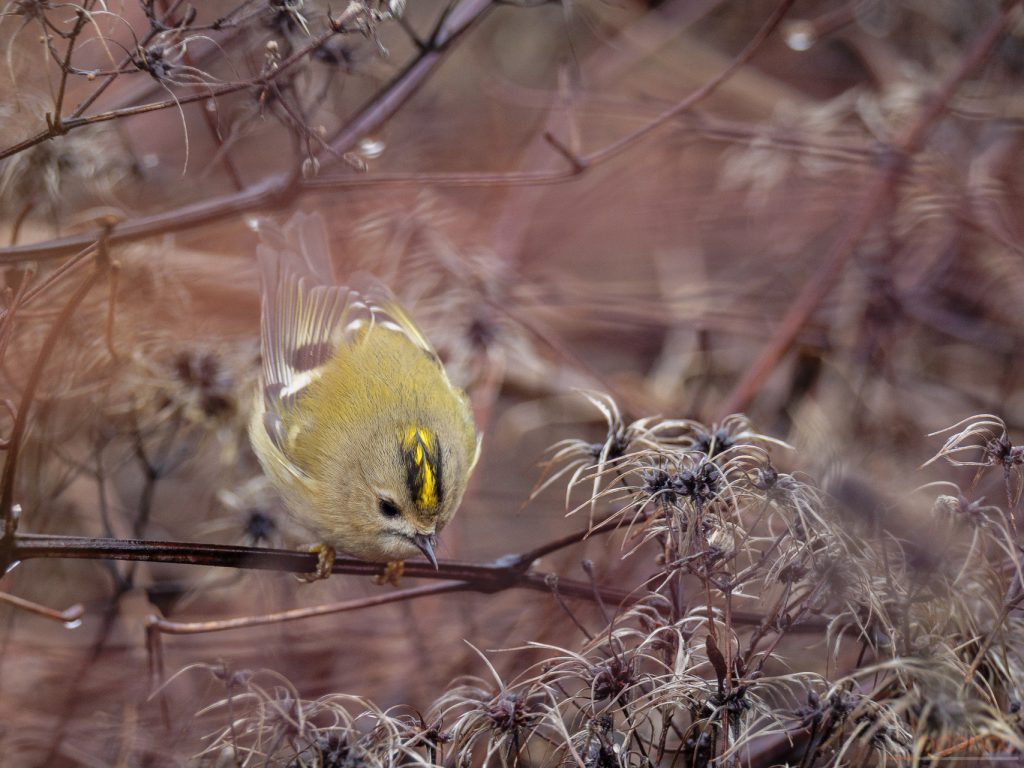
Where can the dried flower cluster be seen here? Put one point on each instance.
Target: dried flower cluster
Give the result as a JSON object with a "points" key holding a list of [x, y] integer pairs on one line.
{"points": [[921, 650]]}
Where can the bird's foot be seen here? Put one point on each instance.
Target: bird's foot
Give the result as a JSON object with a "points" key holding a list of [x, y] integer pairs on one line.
{"points": [[324, 563], [392, 573]]}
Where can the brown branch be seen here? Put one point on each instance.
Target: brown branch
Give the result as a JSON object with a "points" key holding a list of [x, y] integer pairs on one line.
{"points": [[7, 479], [701, 93], [877, 199], [284, 188], [167, 627], [508, 572], [502, 574], [280, 188], [568, 540], [208, 92], [258, 195], [157, 625], [54, 121], [67, 616], [126, 61]]}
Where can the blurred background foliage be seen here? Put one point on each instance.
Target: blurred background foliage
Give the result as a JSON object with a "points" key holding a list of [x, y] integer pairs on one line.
{"points": [[658, 276]]}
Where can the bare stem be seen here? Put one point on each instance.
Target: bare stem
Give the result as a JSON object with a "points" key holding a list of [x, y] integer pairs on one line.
{"points": [[168, 627], [284, 188], [7, 511], [55, 121], [67, 616]]}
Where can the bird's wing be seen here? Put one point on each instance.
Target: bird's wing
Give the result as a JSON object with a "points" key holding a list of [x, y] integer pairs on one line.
{"points": [[385, 311], [306, 316]]}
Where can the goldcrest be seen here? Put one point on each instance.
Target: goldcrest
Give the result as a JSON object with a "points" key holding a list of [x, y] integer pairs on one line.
{"points": [[355, 421]]}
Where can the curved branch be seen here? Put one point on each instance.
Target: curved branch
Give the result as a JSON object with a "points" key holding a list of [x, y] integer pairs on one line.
{"points": [[168, 627], [10, 468], [58, 127], [285, 187]]}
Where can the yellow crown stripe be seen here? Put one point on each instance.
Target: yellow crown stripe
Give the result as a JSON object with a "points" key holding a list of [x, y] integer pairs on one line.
{"points": [[417, 442], [427, 498]]}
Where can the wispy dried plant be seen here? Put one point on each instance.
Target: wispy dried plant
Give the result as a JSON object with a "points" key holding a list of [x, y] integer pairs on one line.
{"points": [[923, 655], [595, 198]]}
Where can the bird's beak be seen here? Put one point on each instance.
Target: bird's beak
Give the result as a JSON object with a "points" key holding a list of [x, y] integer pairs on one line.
{"points": [[425, 541]]}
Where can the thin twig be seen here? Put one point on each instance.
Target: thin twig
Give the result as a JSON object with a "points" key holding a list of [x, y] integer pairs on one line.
{"points": [[67, 616], [167, 627], [285, 188], [7, 480], [54, 121], [208, 92]]}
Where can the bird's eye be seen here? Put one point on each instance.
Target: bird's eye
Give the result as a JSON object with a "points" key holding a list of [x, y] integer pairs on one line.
{"points": [[388, 508]]}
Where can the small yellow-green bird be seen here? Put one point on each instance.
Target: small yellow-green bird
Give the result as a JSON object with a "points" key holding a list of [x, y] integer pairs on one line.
{"points": [[355, 422]]}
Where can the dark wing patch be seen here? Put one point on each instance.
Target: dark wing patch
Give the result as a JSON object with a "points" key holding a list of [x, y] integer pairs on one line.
{"points": [[310, 356]]}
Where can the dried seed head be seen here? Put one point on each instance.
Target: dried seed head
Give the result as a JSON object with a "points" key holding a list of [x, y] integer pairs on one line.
{"points": [[209, 387], [715, 442], [612, 677], [509, 711], [701, 485], [657, 482], [259, 527]]}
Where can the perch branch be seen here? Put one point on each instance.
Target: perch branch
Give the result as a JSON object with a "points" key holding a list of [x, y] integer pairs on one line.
{"points": [[501, 574], [508, 572]]}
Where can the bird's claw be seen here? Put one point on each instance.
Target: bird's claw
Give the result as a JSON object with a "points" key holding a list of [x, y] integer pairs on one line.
{"points": [[392, 573], [324, 563]]}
